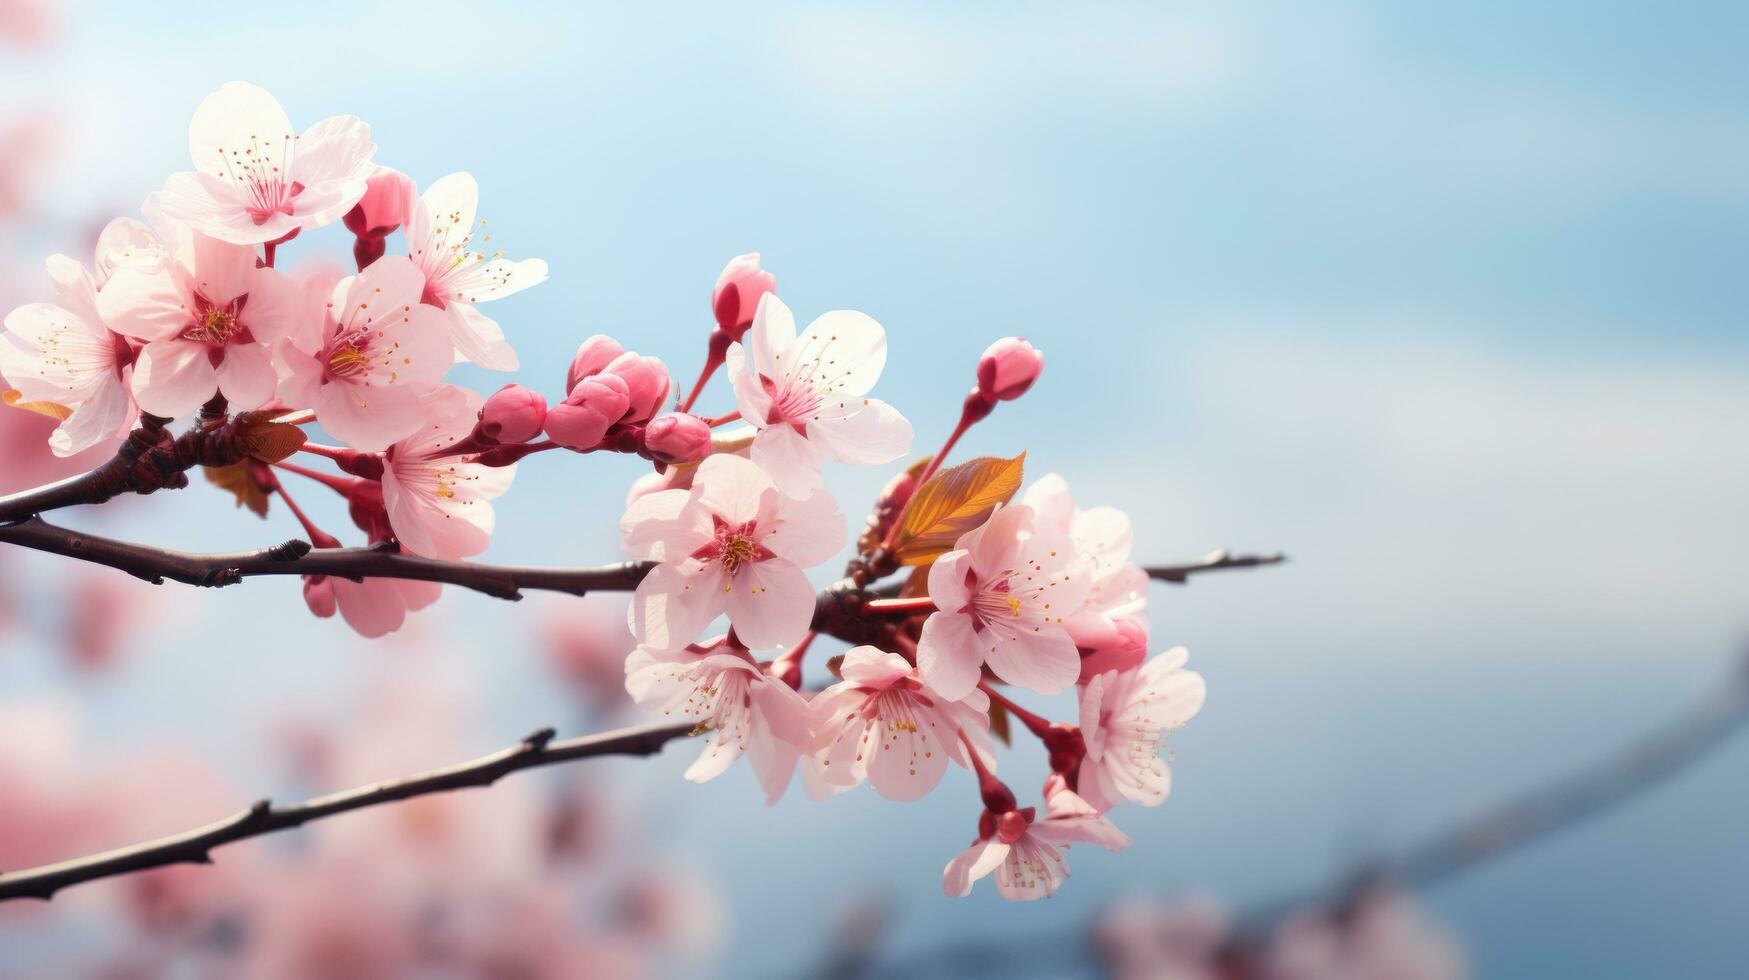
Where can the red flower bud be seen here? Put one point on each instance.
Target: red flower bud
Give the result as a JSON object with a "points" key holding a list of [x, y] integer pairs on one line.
{"points": [[596, 404], [737, 294], [677, 438], [513, 414], [1008, 368], [593, 357]]}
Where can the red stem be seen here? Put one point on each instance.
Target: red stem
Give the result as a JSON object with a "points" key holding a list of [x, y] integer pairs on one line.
{"points": [[318, 537], [725, 419], [965, 423], [711, 364], [267, 251], [1035, 724], [338, 484]]}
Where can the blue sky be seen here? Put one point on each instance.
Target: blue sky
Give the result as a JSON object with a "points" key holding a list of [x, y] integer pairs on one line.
{"points": [[1446, 302]]}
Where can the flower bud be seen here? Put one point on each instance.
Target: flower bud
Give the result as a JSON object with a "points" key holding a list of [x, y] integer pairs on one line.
{"points": [[1008, 368], [593, 357], [513, 414], [583, 418], [737, 294], [677, 438], [647, 385], [386, 205]]}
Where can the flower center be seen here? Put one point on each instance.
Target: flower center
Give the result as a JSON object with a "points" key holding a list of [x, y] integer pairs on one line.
{"points": [[347, 360], [214, 326], [733, 545]]}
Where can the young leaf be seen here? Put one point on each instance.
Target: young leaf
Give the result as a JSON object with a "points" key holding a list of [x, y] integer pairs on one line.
{"points": [[954, 501], [237, 479], [266, 440], [53, 410]]}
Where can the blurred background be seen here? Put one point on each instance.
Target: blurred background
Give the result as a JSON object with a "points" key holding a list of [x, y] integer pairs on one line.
{"points": [[1445, 303]]}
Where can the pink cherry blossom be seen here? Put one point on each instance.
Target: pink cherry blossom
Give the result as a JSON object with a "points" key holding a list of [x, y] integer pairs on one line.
{"points": [[1027, 854], [1124, 716], [374, 607], [1384, 937], [807, 395], [440, 235], [1117, 597], [208, 316], [739, 289], [255, 180], [732, 543], [439, 504], [726, 693], [387, 204], [377, 354], [64, 353], [606, 386], [1002, 596], [883, 724]]}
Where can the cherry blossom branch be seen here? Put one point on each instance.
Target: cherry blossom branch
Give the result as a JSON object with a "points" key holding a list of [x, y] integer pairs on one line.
{"points": [[1214, 561], [150, 459], [296, 557], [196, 846]]}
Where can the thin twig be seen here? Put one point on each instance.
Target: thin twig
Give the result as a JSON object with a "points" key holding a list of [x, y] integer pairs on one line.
{"points": [[296, 557], [1211, 562], [195, 846]]}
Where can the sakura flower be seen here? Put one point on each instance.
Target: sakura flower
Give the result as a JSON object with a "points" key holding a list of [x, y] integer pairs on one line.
{"points": [[1001, 598], [727, 693], [883, 724], [377, 355], [374, 607], [732, 543], [208, 316], [1124, 716], [439, 504], [736, 295], [1027, 854], [257, 181], [439, 235], [63, 354], [807, 395], [1117, 594]]}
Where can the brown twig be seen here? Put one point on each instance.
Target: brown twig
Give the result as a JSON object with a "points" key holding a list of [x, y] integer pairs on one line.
{"points": [[195, 846], [296, 557], [1212, 562]]}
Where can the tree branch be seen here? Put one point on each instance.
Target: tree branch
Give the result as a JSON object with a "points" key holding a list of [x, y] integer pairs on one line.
{"points": [[296, 557], [1212, 562], [195, 846]]}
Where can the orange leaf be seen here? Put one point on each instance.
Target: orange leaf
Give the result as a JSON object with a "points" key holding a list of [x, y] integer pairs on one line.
{"points": [[266, 440], [237, 479], [955, 501], [53, 410]]}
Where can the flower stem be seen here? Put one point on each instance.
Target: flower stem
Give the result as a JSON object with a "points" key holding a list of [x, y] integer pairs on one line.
{"points": [[1037, 725], [965, 422], [711, 364], [317, 536], [339, 484], [734, 416]]}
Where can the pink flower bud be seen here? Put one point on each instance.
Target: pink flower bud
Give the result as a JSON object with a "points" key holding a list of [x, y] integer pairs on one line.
{"points": [[513, 414], [1008, 368], [678, 438], [647, 383], [386, 205], [583, 418], [592, 358], [737, 294], [1124, 651]]}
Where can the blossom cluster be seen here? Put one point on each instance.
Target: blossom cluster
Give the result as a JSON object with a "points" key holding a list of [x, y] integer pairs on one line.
{"points": [[188, 311]]}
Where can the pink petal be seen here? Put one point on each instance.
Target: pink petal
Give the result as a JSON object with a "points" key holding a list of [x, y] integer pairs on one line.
{"points": [[770, 603], [1046, 661], [173, 377], [949, 656]]}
